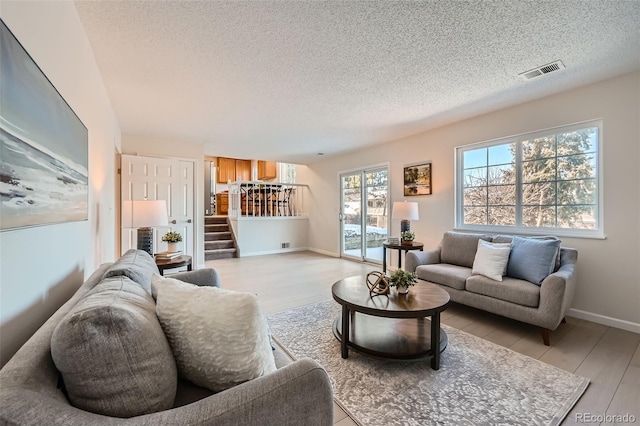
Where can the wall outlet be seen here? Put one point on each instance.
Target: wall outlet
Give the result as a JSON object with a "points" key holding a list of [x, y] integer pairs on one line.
{"points": [[286, 245]]}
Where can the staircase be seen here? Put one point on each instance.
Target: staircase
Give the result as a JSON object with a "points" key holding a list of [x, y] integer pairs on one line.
{"points": [[218, 241]]}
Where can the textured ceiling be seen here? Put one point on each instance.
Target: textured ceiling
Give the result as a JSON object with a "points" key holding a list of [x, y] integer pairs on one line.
{"points": [[284, 80]]}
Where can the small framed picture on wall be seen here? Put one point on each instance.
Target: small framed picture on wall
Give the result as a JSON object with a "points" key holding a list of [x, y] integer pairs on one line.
{"points": [[417, 179]]}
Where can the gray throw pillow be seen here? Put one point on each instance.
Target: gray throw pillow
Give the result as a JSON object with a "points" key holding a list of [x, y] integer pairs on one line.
{"points": [[137, 265], [112, 353], [460, 248], [532, 259]]}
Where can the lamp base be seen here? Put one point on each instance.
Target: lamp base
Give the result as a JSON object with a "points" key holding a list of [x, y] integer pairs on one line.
{"points": [[404, 226], [145, 240]]}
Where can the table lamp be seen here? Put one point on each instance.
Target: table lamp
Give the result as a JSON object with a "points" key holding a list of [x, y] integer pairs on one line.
{"points": [[405, 211], [145, 214]]}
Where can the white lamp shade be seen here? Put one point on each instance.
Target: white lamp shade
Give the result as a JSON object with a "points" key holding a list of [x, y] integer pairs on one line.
{"points": [[405, 210], [144, 213]]}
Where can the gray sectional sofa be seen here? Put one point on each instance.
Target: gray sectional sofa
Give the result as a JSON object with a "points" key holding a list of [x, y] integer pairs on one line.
{"points": [[450, 265], [33, 390]]}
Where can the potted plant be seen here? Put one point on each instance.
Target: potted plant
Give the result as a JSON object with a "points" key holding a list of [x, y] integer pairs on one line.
{"points": [[407, 237], [172, 239], [402, 280]]}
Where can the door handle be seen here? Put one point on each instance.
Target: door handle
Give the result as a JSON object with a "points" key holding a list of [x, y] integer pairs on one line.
{"points": [[340, 217], [174, 221], [189, 221]]}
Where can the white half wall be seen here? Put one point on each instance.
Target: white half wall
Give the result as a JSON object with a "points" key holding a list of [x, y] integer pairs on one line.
{"points": [[608, 270], [257, 236], [42, 267]]}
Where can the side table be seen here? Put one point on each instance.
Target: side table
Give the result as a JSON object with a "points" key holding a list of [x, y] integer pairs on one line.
{"points": [[176, 262], [414, 245]]}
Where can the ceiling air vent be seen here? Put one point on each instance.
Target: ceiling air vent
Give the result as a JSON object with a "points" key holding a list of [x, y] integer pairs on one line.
{"points": [[544, 69]]}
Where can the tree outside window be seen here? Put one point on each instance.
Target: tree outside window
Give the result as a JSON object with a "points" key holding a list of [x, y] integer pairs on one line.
{"points": [[532, 182]]}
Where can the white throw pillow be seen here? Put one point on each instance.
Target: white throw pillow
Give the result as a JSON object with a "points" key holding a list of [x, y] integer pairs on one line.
{"points": [[491, 259], [218, 337]]}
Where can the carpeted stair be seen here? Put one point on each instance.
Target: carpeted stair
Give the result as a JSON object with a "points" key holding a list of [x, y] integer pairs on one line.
{"points": [[218, 241]]}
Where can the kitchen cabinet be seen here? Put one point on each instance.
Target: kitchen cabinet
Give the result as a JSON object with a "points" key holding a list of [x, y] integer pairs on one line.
{"points": [[267, 170], [226, 170], [243, 169], [231, 169], [222, 203]]}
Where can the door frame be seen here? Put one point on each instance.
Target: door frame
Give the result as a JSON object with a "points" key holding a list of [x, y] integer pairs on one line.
{"points": [[197, 239], [362, 170]]}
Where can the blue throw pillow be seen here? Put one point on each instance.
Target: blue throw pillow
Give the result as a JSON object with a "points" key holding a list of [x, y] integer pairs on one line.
{"points": [[531, 259]]}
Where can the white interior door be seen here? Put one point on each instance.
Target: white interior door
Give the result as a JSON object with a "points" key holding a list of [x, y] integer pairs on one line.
{"points": [[159, 179]]}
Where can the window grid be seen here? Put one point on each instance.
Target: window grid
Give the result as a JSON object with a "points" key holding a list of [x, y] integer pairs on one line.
{"points": [[573, 192]]}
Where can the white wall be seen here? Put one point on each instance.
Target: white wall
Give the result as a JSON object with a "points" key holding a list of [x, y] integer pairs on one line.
{"points": [[609, 270], [257, 236], [158, 147], [41, 267]]}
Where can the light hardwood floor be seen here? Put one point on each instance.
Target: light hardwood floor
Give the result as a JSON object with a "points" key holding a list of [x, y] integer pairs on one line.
{"points": [[608, 356]]}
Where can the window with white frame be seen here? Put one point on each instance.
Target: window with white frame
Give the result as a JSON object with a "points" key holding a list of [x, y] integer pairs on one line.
{"points": [[541, 182], [287, 173]]}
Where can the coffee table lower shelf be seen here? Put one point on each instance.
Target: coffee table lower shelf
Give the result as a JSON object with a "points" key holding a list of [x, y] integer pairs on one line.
{"points": [[395, 338]]}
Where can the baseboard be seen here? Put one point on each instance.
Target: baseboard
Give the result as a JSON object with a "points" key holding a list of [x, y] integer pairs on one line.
{"points": [[261, 253], [605, 320], [326, 253]]}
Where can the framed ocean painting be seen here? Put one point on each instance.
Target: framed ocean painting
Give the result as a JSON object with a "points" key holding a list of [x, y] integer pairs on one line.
{"points": [[43, 146]]}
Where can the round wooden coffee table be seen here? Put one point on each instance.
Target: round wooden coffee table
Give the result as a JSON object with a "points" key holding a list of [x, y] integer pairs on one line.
{"points": [[399, 326]]}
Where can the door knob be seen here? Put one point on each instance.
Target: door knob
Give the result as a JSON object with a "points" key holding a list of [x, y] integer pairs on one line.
{"points": [[189, 221], [174, 221]]}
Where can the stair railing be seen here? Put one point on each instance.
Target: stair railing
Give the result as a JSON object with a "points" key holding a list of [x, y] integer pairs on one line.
{"points": [[255, 199]]}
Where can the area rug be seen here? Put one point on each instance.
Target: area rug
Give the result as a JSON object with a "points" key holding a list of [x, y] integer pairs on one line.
{"points": [[479, 383]]}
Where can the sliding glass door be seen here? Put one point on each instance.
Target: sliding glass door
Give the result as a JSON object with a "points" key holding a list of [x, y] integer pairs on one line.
{"points": [[364, 213]]}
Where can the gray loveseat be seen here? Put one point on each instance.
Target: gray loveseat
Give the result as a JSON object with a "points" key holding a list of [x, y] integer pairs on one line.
{"points": [[32, 390], [450, 266]]}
